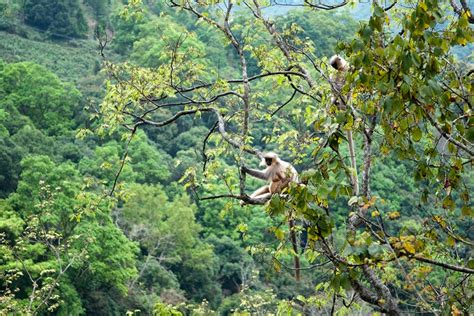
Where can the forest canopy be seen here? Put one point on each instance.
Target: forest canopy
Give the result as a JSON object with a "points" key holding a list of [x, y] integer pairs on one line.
{"points": [[130, 132]]}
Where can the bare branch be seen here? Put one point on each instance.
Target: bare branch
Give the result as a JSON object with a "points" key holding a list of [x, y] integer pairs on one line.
{"points": [[245, 198], [204, 156], [259, 76], [387, 8], [448, 137], [279, 40], [288, 101], [124, 158], [322, 6], [221, 127], [367, 157], [461, 9], [442, 264]]}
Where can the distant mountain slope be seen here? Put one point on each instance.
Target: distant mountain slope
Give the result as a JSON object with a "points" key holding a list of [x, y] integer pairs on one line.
{"points": [[72, 60]]}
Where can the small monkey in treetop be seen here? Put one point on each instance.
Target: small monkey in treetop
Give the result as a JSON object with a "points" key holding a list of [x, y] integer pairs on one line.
{"points": [[278, 173], [339, 63], [337, 80]]}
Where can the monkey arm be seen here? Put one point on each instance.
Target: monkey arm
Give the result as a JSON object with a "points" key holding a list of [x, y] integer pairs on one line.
{"points": [[255, 173], [285, 183], [285, 179]]}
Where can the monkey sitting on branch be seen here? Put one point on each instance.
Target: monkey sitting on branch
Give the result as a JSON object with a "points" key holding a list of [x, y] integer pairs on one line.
{"points": [[337, 80], [278, 173]]}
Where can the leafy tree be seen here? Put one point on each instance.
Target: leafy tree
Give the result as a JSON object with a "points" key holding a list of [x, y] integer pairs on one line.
{"points": [[158, 34], [324, 30], [150, 164], [233, 263], [61, 18], [31, 141], [33, 265], [190, 139], [11, 119], [404, 97], [46, 105], [103, 162], [50, 238], [9, 16], [197, 274], [100, 9], [38, 94], [171, 249], [126, 32], [9, 166], [26, 140]]}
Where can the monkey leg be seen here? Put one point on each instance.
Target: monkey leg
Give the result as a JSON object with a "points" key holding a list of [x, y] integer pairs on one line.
{"points": [[261, 191], [263, 196]]}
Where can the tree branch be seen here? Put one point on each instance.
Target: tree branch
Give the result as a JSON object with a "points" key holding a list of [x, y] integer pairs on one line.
{"points": [[463, 8], [442, 264], [448, 137]]}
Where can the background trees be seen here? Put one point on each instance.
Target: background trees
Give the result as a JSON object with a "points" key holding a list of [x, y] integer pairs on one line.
{"points": [[396, 240], [61, 18]]}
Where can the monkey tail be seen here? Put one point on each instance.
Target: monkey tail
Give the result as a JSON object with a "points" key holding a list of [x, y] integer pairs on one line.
{"points": [[291, 224]]}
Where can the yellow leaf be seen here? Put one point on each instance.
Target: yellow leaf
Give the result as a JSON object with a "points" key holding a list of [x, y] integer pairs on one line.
{"points": [[450, 241], [462, 41], [423, 6], [276, 266], [455, 311], [393, 215], [409, 247]]}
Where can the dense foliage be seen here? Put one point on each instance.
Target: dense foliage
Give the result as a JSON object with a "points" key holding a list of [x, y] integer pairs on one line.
{"points": [[61, 18], [120, 182]]}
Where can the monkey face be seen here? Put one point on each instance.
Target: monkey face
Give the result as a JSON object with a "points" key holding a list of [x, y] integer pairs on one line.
{"points": [[268, 161], [336, 62]]}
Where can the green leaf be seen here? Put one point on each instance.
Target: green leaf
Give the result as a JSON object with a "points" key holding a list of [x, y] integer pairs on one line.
{"points": [[378, 11], [279, 234], [450, 241], [448, 203], [466, 210], [416, 134], [470, 264], [242, 228], [276, 206], [345, 282]]}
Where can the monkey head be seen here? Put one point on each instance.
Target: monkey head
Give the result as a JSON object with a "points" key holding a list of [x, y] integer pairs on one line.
{"points": [[268, 159], [338, 63]]}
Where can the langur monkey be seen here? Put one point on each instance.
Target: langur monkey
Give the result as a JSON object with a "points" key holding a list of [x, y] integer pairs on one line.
{"points": [[339, 63], [337, 80], [278, 173]]}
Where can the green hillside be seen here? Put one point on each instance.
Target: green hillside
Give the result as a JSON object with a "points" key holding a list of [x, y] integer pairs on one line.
{"points": [[72, 61], [236, 158]]}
